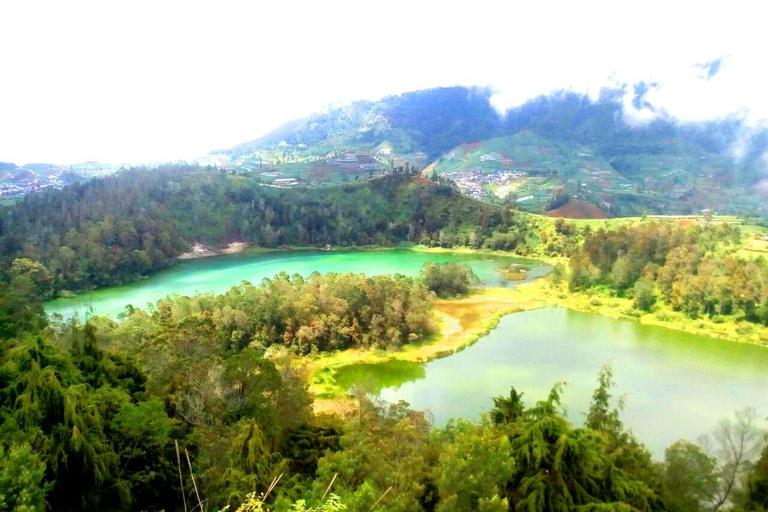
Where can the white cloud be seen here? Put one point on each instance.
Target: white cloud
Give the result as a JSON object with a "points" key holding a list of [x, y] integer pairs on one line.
{"points": [[166, 80]]}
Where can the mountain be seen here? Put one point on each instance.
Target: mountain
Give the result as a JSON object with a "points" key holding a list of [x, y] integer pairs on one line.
{"points": [[429, 121], [561, 146]]}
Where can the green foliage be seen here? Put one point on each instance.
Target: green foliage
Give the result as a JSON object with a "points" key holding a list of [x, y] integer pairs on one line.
{"points": [[690, 478], [22, 488], [253, 503], [35, 272], [92, 234], [558, 274], [756, 496], [562, 468], [601, 417], [318, 313], [383, 447], [645, 294], [83, 412], [20, 308], [474, 467], [683, 264], [507, 410], [448, 279]]}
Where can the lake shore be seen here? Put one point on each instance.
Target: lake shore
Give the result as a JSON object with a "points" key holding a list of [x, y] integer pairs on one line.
{"points": [[489, 252], [464, 321], [203, 251], [661, 316], [461, 323]]}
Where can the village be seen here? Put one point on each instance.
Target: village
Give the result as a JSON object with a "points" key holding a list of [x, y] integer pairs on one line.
{"points": [[477, 182], [32, 183]]}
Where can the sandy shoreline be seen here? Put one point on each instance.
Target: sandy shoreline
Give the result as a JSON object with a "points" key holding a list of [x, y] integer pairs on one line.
{"points": [[203, 251]]}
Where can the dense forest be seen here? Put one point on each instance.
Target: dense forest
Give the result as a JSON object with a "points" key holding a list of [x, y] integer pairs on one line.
{"points": [[320, 313], [117, 229], [160, 414], [684, 267], [203, 402]]}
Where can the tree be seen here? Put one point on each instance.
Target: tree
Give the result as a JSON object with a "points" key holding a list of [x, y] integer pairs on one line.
{"points": [[631, 476], [756, 496], [20, 309], [558, 274], [36, 272], [645, 294], [142, 441], [507, 410], [582, 273], [386, 446], [448, 279], [22, 486], [734, 445], [482, 452], [689, 478], [557, 467], [622, 273], [254, 503]]}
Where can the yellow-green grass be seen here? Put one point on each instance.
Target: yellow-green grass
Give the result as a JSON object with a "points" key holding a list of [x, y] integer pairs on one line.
{"points": [[754, 246], [489, 252], [662, 315], [460, 323]]}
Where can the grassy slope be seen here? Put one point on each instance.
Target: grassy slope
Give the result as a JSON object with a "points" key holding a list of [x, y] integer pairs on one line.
{"points": [[682, 178]]}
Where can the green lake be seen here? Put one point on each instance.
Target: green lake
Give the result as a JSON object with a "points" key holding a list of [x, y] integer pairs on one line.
{"points": [[218, 274], [676, 385]]}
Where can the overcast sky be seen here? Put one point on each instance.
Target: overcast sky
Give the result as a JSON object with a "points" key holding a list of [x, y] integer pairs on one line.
{"points": [[139, 81]]}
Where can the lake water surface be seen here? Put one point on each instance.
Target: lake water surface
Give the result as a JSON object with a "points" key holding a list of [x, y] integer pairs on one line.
{"points": [[218, 274], [677, 385]]}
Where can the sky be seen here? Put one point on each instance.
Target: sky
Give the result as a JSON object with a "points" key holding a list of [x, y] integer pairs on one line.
{"points": [[130, 82]]}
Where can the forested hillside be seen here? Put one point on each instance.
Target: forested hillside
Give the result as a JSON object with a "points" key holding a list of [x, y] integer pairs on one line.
{"points": [[92, 414], [116, 229], [590, 149], [686, 268]]}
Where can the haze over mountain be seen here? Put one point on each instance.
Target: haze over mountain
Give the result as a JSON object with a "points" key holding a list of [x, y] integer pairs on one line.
{"points": [[200, 78], [435, 120]]}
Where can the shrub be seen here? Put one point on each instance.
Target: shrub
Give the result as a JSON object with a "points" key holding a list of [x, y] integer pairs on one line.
{"points": [[448, 279], [645, 294], [632, 312]]}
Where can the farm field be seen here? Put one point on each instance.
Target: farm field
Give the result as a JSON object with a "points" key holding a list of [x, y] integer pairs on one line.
{"points": [[540, 174]]}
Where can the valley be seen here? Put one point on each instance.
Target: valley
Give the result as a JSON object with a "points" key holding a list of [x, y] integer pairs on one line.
{"points": [[519, 336], [392, 257], [355, 314]]}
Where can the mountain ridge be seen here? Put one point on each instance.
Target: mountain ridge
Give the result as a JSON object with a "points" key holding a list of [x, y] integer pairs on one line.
{"points": [[422, 127]]}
